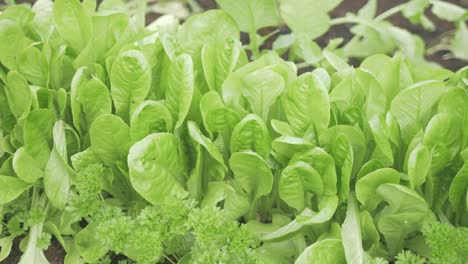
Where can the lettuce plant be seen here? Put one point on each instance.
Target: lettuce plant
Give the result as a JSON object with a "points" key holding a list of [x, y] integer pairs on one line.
{"points": [[174, 143]]}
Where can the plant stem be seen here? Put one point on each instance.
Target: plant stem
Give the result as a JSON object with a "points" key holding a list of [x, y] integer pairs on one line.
{"points": [[168, 259], [354, 20], [34, 197], [303, 64], [196, 8], [253, 210], [392, 11], [253, 44], [269, 35], [437, 48], [348, 20]]}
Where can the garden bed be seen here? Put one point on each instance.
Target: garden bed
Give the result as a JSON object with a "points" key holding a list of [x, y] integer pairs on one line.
{"points": [[389, 156]]}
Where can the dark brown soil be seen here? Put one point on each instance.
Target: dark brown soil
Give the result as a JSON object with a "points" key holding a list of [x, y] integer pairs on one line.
{"points": [[55, 254]]}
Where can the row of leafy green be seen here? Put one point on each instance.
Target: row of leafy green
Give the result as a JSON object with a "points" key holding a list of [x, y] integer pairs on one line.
{"points": [[372, 33], [164, 143]]}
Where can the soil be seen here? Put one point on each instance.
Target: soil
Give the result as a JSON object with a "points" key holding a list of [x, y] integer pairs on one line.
{"points": [[55, 254]]}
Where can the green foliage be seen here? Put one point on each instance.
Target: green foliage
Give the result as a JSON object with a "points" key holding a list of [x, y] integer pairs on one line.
{"points": [[448, 244], [218, 239], [406, 257], [177, 143]]}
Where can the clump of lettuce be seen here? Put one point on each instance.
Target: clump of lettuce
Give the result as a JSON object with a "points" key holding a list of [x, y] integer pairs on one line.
{"points": [[172, 143]]}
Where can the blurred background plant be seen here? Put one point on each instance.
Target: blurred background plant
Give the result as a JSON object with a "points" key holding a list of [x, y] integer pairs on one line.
{"points": [[431, 30]]}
